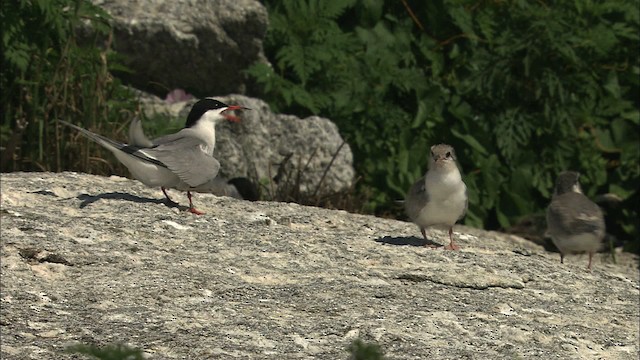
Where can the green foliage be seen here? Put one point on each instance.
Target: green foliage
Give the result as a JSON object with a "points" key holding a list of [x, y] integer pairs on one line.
{"points": [[549, 86], [360, 350], [50, 72], [109, 352], [355, 77], [523, 90]]}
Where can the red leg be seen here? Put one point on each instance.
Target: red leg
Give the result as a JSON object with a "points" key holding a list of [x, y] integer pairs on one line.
{"points": [[452, 245], [192, 209], [590, 258]]}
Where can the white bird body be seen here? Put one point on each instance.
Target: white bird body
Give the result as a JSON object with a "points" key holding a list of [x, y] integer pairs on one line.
{"points": [[447, 195], [579, 243], [440, 197]]}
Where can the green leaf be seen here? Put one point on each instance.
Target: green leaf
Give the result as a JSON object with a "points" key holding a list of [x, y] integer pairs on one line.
{"points": [[503, 219], [634, 116], [624, 193], [471, 141], [462, 18], [612, 85]]}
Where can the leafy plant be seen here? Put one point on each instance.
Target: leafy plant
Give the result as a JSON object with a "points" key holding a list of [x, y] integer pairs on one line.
{"points": [[523, 90], [57, 60], [109, 352], [360, 350]]}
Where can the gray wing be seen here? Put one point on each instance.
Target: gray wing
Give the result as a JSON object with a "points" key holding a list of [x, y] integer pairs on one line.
{"points": [[137, 136], [185, 158], [574, 213], [417, 198], [165, 139]]}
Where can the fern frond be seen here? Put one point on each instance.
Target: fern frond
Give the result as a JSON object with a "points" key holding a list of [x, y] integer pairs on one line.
{"points": [[332, 9]]}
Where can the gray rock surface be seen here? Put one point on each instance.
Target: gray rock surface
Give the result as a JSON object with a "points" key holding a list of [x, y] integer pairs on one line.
{"points": [[198, 45], [102, 260], [258, 146]]}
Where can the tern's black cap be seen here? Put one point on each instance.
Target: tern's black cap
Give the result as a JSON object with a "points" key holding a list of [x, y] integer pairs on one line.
{"points": [[202, 107]]}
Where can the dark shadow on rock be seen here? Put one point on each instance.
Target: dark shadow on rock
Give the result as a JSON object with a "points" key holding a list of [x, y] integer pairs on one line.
{"points": [[406, 240], [90, 199], [44, 192]]}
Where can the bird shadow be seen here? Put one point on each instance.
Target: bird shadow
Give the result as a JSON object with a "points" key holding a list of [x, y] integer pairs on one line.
{"points": [[90, 199], [407, 240]]}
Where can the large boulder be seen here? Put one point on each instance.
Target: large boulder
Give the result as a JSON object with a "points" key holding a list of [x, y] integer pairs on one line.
{"points": [[95, 260], [308, 153], [198, 45]]}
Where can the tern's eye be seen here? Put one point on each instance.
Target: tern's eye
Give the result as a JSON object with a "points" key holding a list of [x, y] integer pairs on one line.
{"points": [[448, 154]]}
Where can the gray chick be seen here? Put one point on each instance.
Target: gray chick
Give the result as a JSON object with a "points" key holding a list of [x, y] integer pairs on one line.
{"points": [[574, 223], [439, 198]]}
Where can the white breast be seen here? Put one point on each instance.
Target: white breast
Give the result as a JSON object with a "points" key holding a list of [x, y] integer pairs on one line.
{"points": [[447, 199], [206, 132]]}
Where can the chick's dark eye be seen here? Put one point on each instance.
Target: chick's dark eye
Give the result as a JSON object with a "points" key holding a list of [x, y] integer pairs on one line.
{"points": [[448, 154]]}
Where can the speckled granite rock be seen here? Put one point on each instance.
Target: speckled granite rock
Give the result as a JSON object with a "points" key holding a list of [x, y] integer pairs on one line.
{"points": [[103, 260]]}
